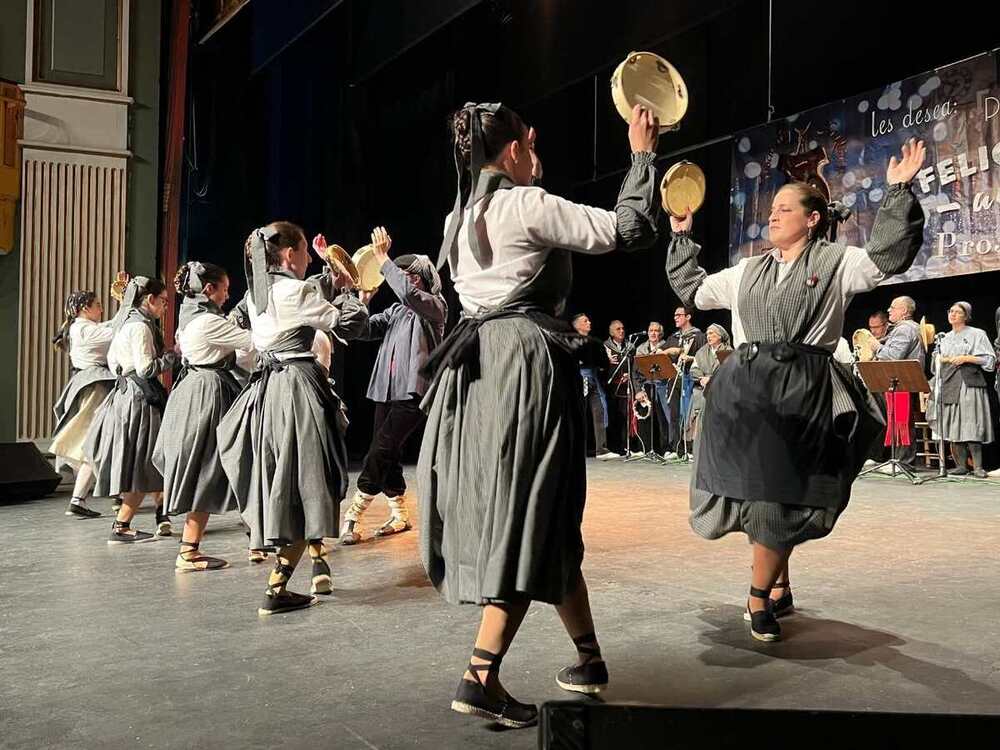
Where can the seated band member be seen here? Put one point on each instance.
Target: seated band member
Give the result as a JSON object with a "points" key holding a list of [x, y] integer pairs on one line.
{"points": [[902, 342], [965, 408], [619, 408], [86, 339], [123, 434], [282, 444], [503, 455], [660, 389], [706, 362], [782, 472], [409, 329], [593, 392], [186, 449]]}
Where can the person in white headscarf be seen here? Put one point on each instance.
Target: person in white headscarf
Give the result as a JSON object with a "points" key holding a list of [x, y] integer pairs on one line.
{"points": [[966, 353], [706, 362]]}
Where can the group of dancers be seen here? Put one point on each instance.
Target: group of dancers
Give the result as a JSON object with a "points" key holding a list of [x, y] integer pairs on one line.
{"points": [[501, 478]]}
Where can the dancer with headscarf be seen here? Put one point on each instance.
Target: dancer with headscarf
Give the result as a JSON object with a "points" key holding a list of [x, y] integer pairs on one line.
{"points": [[121, 438], [409, 330], [86, 339], [282, 443], [186, 450], [502, 470]]}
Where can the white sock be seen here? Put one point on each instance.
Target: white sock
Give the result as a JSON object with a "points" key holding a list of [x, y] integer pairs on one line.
{"points": [[81, 501]]}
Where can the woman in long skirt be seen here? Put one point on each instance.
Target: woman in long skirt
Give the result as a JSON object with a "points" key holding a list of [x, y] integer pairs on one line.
{"points": [[281, 444], [186, 449], [121, 439], [502, 471], [86, 339], [786, 428], [965, 422]]}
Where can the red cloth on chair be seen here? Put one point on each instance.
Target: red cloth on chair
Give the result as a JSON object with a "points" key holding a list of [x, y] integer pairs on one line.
{"points": [[898, 417]]}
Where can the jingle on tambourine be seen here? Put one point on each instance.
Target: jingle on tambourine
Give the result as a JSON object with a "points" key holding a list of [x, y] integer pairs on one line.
{"points": [[646, 79]]}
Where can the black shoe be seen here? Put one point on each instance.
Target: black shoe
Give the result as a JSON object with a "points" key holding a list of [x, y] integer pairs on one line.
{"points": [[763, 624], [471, 697], [163, 525], [276, 601], [589, 677], [81, 511], [121, 533], [960, 471], [780, 607], [284, 601]]}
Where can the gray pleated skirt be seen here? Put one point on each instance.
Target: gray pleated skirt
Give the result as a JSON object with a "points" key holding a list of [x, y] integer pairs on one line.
{"points": [[282, 447], [968, 421], [120, 443], [502, 472], [186, 451]]}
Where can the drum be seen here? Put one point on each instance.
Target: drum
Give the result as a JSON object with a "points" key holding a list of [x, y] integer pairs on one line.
{"points": [[647, 79], [336, 256]]}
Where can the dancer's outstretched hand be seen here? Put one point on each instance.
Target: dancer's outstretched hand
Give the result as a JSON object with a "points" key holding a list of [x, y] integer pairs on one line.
{"points": [[905, 169]]}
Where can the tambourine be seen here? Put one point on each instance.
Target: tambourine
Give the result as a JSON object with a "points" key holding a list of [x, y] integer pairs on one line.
{"points": [[682, 188], [369, 271], [927, 333], [119, 285], [646, 79], [336, 256], [864, 342]]}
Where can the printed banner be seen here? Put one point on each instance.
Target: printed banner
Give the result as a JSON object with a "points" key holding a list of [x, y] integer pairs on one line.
{"points": [[843, 149]]}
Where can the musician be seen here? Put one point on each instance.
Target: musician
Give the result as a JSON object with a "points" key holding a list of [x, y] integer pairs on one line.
{"points": [[901, 342], [593, 392], [682, 346], [618, 409], [654, 344], [878, 324], [965, 420]]}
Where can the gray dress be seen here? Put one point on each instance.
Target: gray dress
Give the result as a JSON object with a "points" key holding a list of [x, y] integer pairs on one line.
{"points": [[965, 407], [123, 434], [786, 428], [282, 443], [186, 451], [502, 469]]}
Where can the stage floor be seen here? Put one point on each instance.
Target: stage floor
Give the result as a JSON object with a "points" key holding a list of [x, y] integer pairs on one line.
{"points": [[108, 647]]}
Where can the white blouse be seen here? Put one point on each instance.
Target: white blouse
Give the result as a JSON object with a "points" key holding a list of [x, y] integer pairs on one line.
{"points": [[133, 350], [856, 273], [292, 304], [208, 339], [89, 343], [522, 224]]}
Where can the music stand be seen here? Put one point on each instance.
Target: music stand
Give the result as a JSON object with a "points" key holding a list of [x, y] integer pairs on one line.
{"points": [[625, 361], [891, 377], [653, 367]]}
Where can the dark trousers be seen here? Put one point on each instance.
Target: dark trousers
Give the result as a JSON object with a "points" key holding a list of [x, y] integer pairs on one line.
{"points": [[618, 417], [597, 420], [395, 421]]}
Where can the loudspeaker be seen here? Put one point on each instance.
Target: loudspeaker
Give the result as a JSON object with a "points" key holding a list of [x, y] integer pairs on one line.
{"points": [[24, 473], [567, 725]]}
